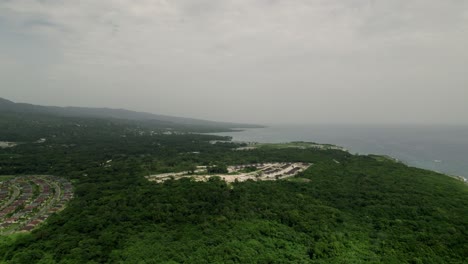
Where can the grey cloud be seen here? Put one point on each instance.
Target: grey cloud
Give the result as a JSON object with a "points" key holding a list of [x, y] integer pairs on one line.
{"points": [[242, 60]]}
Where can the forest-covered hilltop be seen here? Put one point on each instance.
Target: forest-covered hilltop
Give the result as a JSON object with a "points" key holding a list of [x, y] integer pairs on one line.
{"points": [[11, 110], [343, 209]]}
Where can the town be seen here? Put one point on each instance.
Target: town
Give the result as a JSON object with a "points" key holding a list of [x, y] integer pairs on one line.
{"points": [[255, 172], [27, 201]]}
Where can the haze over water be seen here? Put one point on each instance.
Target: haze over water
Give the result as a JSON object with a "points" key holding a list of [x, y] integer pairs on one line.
{"points": [[439, 148]]}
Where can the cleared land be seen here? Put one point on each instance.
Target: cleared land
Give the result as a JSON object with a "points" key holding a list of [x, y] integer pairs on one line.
{"points": [[6, 144], [256, 172], [27, 201]]}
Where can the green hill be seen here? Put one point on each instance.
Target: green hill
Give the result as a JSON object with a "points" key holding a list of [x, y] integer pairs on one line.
{"points": [[142, 118]]}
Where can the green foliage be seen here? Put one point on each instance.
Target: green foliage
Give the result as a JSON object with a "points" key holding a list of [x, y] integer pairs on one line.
{"points": [[218, 168], [362, 209], [249, 169]]}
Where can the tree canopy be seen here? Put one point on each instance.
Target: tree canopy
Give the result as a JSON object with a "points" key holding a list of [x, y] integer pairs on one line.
{"points": [[362, 209]]}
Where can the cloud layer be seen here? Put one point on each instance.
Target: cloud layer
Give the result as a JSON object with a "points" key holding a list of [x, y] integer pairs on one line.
{"points": [[364, 61]]}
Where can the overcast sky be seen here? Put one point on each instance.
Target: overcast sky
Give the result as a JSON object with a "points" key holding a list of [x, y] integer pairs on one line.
{"points": [[260, 61]]}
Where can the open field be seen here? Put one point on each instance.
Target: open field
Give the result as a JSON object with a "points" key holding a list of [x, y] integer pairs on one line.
{"points": [[27, 201], [256, 172]]}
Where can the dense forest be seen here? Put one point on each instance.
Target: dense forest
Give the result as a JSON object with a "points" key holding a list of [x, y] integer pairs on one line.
{"points": [[344, 209]]}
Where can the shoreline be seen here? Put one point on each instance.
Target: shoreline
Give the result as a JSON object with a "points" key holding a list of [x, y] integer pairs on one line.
{"points": [[402, 143]]}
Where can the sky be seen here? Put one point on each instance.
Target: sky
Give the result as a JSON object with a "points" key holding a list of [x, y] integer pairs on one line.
{"points": [[257, 61]]}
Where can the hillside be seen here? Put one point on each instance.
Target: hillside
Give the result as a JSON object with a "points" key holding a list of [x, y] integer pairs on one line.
{"points": [[150, 119]]}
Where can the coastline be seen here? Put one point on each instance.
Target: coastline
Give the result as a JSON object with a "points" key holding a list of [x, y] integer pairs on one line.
{"points": [[439, 149]]}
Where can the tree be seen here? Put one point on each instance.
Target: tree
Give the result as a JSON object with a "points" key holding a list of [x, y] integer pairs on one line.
{"points": [[218, 168]]}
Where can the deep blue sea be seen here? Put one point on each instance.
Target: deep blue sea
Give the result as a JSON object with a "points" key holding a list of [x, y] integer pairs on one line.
{"points": [[439, 148]]}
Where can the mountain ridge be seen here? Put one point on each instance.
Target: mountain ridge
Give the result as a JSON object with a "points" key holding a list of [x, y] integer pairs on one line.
{"points": [[118, 113]]}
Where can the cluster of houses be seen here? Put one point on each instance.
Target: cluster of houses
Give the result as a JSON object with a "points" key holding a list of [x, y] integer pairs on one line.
{"points": [[21, 192], [256, 172], [269, 170], [4, 194], [29, 200]]}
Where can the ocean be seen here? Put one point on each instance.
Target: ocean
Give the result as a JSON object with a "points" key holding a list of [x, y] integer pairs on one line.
{"points": [[438, 148]]}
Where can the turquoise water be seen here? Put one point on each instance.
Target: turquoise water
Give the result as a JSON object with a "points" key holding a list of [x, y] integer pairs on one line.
{"points": [[438, 148]]}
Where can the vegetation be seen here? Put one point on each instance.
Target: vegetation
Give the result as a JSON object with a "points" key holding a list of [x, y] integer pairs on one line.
{"points": [[249, 169], [5, 178], [153, 121], [215, 169], [362, 209]]}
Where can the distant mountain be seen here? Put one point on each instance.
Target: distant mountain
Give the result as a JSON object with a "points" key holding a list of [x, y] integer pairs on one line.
{"points": [[122, 114]]}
